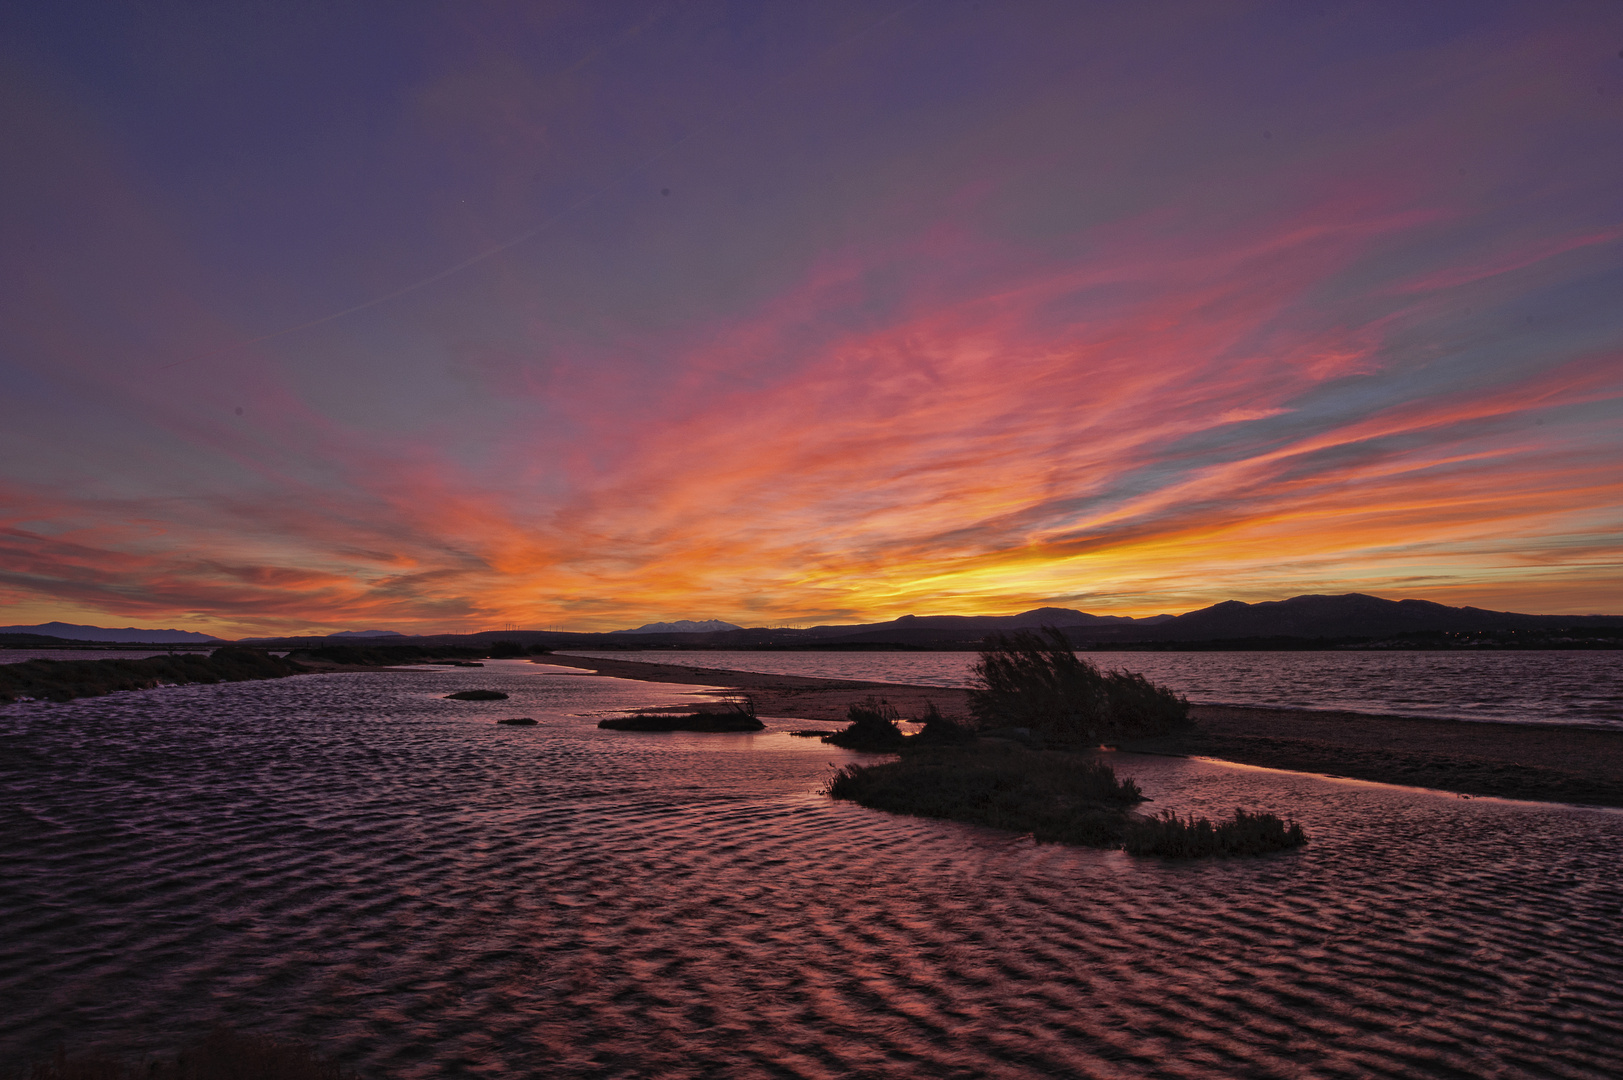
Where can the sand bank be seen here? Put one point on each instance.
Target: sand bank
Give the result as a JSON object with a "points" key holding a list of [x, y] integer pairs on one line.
{"points": [[1543, 762]]}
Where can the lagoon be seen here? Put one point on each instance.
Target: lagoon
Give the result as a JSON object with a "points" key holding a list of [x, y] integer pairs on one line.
{"points": [[1507, 686], [355, 860]]}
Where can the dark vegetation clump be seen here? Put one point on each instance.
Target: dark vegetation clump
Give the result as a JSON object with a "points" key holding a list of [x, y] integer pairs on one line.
{"points": [[61, 680], [519, 721], [734, 714], [223, 1055], [1065, 798], [1036, 681], [941, 730], [1191, 837], [1033, 690], [505, 650], [1053, 796], [477, 695], [873, 727]]}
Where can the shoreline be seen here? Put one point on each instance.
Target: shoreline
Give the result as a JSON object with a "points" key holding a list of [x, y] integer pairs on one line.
{"points": [[1533, 762]]}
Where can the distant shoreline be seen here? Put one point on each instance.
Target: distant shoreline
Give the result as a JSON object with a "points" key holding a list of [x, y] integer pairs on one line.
{"points": [[1536, 762]]}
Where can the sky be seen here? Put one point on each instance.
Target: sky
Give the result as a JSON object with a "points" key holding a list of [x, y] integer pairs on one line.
{"points": [[462, 316]]}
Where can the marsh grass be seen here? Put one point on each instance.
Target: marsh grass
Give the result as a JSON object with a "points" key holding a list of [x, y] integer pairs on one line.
{"points": [[1036, 681], [1192, 837], [223, 1055], [1065, 798], [872, 727], [941, 730]]}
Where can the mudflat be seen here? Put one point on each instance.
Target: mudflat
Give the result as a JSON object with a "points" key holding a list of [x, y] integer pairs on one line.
{"points": [[1539, 762]]}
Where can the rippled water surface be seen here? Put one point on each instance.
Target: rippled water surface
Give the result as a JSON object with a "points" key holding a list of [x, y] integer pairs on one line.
{"points": [[1534, 687], [354, 860]]}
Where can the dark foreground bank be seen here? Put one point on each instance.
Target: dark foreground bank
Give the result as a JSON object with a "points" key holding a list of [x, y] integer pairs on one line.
{"points": [[1545, 763], [63, 680]]}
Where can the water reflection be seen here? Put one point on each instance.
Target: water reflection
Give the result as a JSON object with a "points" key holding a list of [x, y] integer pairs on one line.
{"points": [[356, 860]]}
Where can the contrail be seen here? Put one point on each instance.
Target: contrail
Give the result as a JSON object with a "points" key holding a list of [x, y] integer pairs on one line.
{"points": [[531, 233]]}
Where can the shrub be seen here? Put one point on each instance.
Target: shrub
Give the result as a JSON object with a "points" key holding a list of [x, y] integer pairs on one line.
{"points": [[873, 727], [941, 731], [1141, 708], [1037, 681], [1188, 838], [506, 650]]}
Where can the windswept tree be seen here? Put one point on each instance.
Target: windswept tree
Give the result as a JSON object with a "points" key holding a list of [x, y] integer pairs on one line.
{"points": [[1036, 680]]}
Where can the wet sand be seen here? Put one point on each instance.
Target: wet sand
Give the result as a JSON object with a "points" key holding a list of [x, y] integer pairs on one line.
{"points": [[1538, 762]]}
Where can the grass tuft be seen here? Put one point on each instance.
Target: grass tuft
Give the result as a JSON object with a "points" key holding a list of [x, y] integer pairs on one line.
{"points": [[941, 730], [872, 728], [1192, 837]]}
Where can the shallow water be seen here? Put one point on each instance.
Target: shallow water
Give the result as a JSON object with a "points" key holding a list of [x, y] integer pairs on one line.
{"points": [[1531, 687], [354, 860]]}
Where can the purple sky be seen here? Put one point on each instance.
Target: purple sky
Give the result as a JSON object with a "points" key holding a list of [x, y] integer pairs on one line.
{"points": [[456, 315]]}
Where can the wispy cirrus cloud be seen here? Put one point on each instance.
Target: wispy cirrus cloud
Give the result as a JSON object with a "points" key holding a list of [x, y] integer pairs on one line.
{"points": [[1203, 313]]}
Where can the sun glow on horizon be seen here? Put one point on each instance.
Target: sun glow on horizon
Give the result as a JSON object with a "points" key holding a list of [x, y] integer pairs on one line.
{"points": [[1242, 309]]}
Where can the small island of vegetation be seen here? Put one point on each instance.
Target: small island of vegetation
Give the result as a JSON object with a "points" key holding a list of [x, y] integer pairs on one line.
{"points": [[1023, 763], [734, 714]]}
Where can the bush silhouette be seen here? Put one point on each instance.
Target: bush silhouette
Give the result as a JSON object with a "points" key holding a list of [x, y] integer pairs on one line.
{"points": [[873, 727], [1037, 681], [941, 730]]}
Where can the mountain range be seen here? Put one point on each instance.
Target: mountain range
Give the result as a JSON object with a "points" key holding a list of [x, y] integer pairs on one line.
{"points": [[682, 626], [1302, 619], [127, 635]]}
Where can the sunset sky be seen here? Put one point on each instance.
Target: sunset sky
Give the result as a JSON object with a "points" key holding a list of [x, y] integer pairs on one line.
{"points": [[449, 316]]}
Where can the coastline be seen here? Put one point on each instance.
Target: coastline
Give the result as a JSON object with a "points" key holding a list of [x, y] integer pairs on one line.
{"points": [[1535, 762]]}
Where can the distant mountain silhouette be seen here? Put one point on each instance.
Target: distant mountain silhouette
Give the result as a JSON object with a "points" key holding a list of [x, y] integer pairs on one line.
{"points": [[1304, 619], [682, 626], [1351, 615], [74, 632]]}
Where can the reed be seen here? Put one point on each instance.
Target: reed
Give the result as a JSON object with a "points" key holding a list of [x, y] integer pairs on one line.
{"points": [[941, 730], [872, 727], [1036, 681]]}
